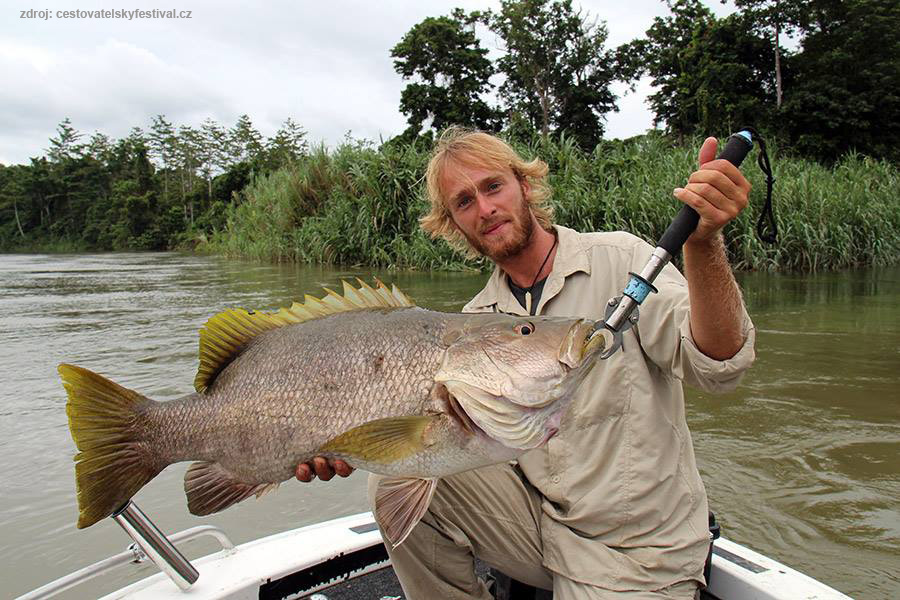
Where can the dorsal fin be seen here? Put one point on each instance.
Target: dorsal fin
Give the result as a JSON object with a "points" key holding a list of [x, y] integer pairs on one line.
{"points": [[225, 335]]}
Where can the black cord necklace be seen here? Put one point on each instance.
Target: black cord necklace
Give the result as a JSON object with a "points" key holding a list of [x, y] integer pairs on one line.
{"points": [[536, 275]]}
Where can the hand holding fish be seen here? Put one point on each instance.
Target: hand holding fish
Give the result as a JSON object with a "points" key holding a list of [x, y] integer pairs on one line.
{"points": [[322, 468]]}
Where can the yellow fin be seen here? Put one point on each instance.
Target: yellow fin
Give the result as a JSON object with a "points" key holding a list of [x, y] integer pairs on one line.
{"points": [[383, 441], [114, 462], [225, 335]]}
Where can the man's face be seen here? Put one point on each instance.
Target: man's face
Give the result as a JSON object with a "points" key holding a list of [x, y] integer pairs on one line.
{"points": [[488, 206]]}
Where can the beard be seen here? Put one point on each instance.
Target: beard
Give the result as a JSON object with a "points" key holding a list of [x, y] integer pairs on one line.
{"points": [[518, 238]]}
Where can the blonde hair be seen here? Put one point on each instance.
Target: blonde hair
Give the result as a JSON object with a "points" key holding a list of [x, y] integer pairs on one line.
{"points": [[463, 146]]}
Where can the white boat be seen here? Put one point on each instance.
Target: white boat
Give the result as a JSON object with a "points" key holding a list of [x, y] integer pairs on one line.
{"points": [[345, 558]]}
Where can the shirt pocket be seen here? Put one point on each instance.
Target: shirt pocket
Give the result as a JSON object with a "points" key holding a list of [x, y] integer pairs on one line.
{"points": [[606, 391]]}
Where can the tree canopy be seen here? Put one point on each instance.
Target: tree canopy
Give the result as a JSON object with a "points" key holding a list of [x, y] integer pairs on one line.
{"points": [[834, 91], [554, 69], [150, 190], [450, 73]]}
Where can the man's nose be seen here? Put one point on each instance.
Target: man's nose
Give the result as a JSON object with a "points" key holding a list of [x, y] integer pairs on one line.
{"points": [[485, 207]]}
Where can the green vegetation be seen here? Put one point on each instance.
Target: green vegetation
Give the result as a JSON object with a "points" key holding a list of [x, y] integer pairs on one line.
{"points": [[148, 191], [359, 205], [831, 104], [556, 72]]}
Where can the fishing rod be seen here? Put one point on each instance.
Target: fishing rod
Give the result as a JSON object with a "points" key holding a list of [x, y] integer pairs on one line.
{"points": [[622, 311]]}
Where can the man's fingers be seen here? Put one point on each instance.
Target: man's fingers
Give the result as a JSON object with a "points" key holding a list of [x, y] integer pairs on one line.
{"points": [[709, 201], [707, 210], [719, 190], [711, 218], [729, 173], [707, 151], [304, 473], [342, 468], [323, 469]]}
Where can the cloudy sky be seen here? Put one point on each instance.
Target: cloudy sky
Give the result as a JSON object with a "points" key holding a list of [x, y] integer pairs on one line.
{"points": [[326, 64]]}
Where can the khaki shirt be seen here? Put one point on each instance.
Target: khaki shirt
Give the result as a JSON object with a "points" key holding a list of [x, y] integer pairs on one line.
{"points": [[624, 507]]}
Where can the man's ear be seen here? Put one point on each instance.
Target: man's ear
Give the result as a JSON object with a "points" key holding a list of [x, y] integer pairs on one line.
{"points": [[526, 187]]}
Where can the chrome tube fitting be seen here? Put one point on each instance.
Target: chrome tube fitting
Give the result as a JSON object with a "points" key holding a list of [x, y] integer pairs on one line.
{"points": [[156, 545]]}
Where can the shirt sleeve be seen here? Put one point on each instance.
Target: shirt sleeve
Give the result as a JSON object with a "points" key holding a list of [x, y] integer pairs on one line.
{"points": [[664, 333]]}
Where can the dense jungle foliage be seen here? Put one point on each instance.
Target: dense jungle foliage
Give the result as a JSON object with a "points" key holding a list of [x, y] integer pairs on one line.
{"points": [[829, 109]]}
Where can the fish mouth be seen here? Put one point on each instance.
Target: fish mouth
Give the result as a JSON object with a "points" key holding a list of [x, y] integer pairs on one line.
{"points": [[598, 340], [581, 344]]}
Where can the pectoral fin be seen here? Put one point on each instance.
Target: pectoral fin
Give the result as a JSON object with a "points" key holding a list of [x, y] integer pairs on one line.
{"points": [[399, 504], [383, 441]]}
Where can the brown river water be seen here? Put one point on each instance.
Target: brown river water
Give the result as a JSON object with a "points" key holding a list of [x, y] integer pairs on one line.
{"points": [[801, 463]]}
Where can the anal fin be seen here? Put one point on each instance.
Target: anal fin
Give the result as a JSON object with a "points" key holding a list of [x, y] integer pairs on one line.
{"points": [[210, 488], [400, 502]]}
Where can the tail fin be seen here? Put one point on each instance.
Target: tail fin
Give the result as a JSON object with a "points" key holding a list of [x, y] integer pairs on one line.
{"points": [[112, 465]]}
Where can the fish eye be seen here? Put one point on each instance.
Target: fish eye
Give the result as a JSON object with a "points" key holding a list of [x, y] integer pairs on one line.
{"points": [[524, 328]]}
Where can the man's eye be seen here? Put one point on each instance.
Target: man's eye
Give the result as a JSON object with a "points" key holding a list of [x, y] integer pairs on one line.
{"points": [[463, 202], [493, 187]]}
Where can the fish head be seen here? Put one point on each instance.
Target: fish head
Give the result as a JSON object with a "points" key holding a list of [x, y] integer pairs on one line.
{"points": [[514, 375]]}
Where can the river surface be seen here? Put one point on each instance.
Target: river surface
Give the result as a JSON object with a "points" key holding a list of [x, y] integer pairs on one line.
{"points": [[801, 463]]}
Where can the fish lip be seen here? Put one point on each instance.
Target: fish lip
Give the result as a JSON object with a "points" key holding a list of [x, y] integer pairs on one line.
{"points": [[579, 345], [596, 341]]}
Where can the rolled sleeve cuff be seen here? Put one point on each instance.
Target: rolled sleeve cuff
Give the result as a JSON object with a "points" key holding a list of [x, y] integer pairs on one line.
{"points": [[714, 375]]}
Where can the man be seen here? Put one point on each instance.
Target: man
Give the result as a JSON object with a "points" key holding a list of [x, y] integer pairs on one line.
{"points": [[613, 505]]}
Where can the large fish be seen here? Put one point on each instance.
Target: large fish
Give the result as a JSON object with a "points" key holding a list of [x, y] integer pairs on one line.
{"points": [[366, 377]]}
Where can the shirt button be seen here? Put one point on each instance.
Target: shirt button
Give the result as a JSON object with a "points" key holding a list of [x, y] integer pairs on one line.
{"points": [[555, 479]]}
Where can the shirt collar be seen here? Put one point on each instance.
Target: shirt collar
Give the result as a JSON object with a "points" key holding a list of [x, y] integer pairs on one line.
{"points": [[570, 258]]}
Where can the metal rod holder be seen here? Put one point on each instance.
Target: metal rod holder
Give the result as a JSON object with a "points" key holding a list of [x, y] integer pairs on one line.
{"points": [[156, 545], [132, 555]]}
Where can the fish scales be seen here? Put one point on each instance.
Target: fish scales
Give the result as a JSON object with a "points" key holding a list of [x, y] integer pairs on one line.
{"points": [[296, 387], [366, 377]]}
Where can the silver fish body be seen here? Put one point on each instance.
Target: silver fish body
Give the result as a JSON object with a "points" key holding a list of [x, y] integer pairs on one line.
{"points": [[397, 390]]}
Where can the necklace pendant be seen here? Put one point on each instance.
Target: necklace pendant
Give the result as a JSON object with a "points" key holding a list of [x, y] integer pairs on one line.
{"points": [[528, 302]]}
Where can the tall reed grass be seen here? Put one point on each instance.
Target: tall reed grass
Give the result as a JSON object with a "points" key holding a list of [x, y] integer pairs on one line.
{"points": [[359, 205]]}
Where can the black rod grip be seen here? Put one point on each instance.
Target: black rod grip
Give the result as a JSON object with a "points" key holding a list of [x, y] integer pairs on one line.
{"points": [[685, 222]]}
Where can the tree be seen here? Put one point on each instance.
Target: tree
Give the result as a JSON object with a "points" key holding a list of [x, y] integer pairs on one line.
{"points": [[712, 74], [777, 17], [11, 190], [215, 139], [245, 141], [162, 142], [558, 73], [99, 147], [65, 145], [287, 145], [189, 150], [847, 81], [450, 72]]}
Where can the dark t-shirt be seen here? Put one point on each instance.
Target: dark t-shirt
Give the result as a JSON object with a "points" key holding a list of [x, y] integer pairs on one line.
{"points": [[519, 293]]}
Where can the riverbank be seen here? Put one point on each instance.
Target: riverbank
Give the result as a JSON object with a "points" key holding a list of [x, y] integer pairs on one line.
{"points": [[359, 205]]}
